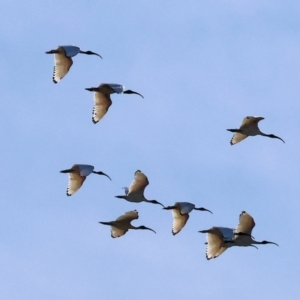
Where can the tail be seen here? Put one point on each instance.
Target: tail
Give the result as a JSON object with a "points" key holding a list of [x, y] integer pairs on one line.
{"points": [[91, 89], [121, 197], [234, 130], [105, 223], [67, 171]]}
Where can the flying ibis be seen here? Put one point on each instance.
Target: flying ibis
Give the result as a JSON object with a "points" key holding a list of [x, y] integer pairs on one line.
{"points": [[63, 60], [135, 193], [180, 211], [221, 238], [77, 175], [249, 127], [121, 225], [102, 100]]}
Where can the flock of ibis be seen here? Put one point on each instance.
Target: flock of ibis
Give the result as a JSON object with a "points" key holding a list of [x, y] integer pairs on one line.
{"points": [[218, 239]]}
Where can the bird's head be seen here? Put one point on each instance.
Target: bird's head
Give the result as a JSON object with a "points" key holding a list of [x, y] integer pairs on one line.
{"points": [[202, 209], [275, 137], [90, 53], [267, 242], [101, 173], [132, 92], [144, 227]]}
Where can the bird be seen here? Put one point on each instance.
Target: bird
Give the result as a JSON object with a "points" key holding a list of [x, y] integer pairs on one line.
{"points": [[135, 193], [77, 175], [102, 100], [221, 238], [121, 225], [218, 240], [249, 127], [63, 60], [246, 225], [180, 211]]}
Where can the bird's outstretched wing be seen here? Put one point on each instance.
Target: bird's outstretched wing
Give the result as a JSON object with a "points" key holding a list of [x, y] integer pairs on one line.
{"points": [[62, 65], [179, 220], [139, 183], [246, 223], [102, 102], [129, 216], [75, 182], [215, 243], [237, 137]]}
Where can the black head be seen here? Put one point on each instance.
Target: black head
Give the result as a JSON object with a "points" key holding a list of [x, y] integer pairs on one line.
{"points": [[132, 92], [101, 173], [275, 137], [90, 53], [144, 227], [202, 209], [267, 242]]}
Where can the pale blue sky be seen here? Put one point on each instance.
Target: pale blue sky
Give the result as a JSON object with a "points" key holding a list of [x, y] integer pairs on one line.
{"points": [[202, 66]]}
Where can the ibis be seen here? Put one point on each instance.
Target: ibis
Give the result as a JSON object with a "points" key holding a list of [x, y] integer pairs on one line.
{"points": [[77, 175], [249, 127], [63, 60], [246, 225], [121, 225], [221, 238], [135, 193], [102, 100], [180, 211]]}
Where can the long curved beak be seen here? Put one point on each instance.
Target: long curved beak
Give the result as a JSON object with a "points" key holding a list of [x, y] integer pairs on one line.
{"points": [[150, 229], [101, 173], [273, 243], [277, 137], [132, 92], [90, 53], [203, 209]]}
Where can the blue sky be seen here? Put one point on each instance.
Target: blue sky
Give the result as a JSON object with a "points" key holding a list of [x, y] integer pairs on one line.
{"points": [[202, 67]]}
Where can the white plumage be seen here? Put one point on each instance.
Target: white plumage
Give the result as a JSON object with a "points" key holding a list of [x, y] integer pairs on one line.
{"points": [[102, 100], [63, 60], [180, 212], [135, 193], [77, 176], [249, 127], [123, 223], [221, 238]]}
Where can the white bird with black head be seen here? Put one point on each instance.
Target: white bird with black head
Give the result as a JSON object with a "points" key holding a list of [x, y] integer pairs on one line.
{"points": [[102, 100], [63, 60], [221, 238], [135, 193], [249, 127], [180, 211], [123, 223], [77, 176]]}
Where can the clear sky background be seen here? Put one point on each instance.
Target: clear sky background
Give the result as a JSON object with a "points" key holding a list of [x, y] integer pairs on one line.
{"points": [[202, 66]]}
